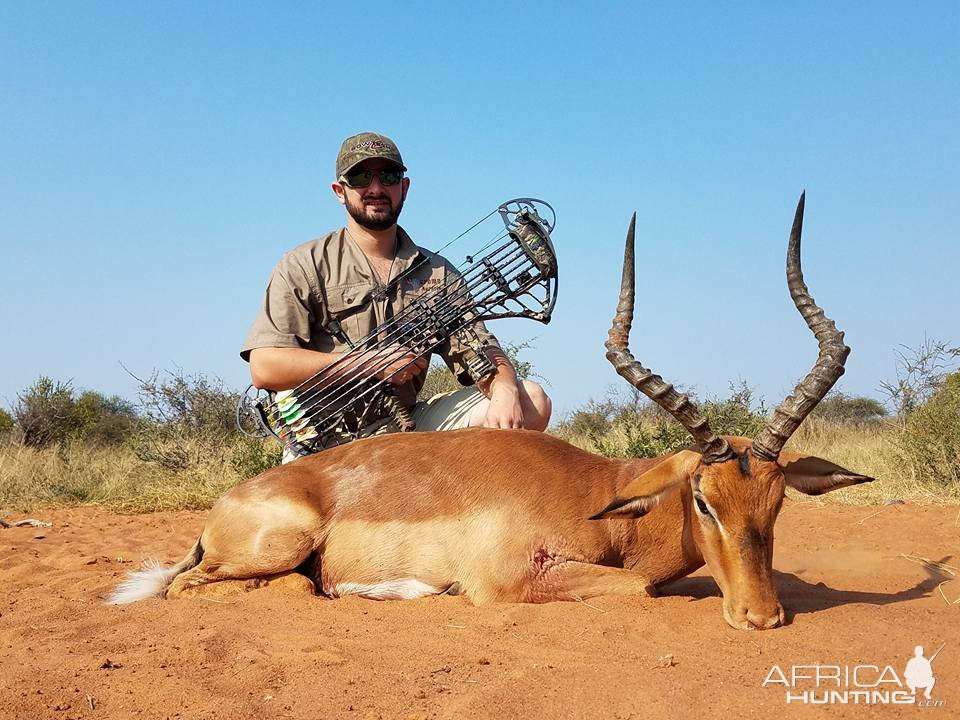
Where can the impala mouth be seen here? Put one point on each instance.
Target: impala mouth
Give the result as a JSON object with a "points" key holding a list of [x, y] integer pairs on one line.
{"points": [[754, 621]]}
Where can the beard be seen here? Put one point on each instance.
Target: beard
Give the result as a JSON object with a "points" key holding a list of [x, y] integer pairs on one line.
{"points": [[374, 217]]}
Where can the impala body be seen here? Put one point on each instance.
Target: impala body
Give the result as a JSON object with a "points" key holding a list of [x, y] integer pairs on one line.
{"points": [[522, 516]]}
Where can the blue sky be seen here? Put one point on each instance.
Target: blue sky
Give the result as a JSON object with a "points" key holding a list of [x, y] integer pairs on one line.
{"points": [[157, 159]]}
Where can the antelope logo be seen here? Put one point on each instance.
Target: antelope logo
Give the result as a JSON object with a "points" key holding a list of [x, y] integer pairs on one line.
{"points": [[520, 516]]}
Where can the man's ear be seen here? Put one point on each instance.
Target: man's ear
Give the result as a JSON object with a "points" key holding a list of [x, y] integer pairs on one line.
{"points": [[815, 476], [640, 496], [339, 192]]}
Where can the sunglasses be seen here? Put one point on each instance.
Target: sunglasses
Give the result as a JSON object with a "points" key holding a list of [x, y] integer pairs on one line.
{"points": [[363, 178]]}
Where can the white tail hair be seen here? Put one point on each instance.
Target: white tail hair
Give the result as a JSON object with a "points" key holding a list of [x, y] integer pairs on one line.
{"points": [[149, 581], [152, 579]]}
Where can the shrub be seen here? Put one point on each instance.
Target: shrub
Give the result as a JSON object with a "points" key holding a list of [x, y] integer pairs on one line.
{"points": [[921, 371], [251, 456], [839, 408], [635, 427], [645, 439], [6, 422], [48, 412], [593, 420], [45, 413], [186, 419], [104, 420], [735, 415], [930, 441], [439, 379]]}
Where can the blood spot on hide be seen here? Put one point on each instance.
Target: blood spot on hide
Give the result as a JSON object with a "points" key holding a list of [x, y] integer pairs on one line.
{"points": [[541, 557]]}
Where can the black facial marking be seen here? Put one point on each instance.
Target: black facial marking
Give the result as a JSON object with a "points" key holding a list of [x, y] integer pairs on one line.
{"points": [[745, 464], [754, 543]]}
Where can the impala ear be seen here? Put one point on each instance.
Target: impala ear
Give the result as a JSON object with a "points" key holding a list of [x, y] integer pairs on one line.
{"points": [[640, 496], [815, 476]]}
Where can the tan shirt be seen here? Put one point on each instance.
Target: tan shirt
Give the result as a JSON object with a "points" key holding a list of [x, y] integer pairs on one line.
{"points": [[331, 279]]}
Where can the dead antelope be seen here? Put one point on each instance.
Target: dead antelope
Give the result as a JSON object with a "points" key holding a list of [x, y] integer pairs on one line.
{"points": [[522, 516]]}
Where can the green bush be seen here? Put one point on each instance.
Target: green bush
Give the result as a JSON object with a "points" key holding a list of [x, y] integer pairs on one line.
{"points": [[593, 420], [736, 415], [104, 420], [44, 413], [930, 441], [440, 380], [6, 422], [48, 412], [186, 420], [645, 439], [635, 427], [839, 408], [251, 456]]}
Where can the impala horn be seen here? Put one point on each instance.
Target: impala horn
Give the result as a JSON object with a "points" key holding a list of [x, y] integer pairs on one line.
{"points": [[713, 448], [826, 371]]}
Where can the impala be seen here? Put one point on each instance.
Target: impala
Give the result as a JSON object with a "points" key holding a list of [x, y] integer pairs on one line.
{"points": [[520, 516]]}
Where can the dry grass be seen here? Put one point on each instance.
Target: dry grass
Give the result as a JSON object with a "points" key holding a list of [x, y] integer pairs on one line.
{"points": [[76, 474], [114, 477], [870, 449]]}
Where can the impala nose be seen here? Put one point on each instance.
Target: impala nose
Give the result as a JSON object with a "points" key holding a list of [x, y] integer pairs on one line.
{"points": [[765, 620], [750, 618]]}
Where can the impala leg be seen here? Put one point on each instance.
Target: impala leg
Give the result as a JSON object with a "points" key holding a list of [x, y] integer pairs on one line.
{"points": [[572, 580], [207, 584], [246, 570]]}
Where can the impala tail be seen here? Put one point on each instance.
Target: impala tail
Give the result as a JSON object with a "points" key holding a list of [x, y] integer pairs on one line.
{"points": [[152, 579]]}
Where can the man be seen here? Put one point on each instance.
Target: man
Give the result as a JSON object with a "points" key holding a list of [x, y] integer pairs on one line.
{"points": [[330, 292]]}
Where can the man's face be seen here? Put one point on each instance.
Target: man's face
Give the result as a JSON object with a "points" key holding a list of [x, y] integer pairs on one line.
{"points": [[377, 206]]}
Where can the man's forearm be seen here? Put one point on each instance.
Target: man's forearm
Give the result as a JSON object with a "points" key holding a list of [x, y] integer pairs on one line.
{"points": [[285, 368], [504, 377]]}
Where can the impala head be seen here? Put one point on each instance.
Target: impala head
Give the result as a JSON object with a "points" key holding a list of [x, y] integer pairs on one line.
{"points": [[736, 484]]}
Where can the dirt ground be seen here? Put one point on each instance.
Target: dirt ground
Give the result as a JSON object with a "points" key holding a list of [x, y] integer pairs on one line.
{"points": [[851, 578]]}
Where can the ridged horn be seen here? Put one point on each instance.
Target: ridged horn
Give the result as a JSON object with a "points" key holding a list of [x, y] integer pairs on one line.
{"points": [[827, 369], [713, 448]]}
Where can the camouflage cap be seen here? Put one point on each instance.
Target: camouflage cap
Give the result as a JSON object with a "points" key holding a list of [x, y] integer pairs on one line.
{"points": [[364, 146]]}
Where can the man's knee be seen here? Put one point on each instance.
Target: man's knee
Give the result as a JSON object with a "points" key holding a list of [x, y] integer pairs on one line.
{"points": [[536, 413]]}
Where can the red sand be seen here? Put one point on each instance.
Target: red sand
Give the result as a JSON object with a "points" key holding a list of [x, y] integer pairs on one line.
{"points": [[851, 598]]}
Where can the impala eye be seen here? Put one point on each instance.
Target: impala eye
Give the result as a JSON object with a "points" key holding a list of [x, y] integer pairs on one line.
{"points": [[702, 506]]}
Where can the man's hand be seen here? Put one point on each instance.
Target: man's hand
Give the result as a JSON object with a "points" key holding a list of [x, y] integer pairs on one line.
{"points": [[394, 363], [504, 411]]}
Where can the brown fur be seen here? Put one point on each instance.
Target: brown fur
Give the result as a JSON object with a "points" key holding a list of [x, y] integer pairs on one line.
{"points": [[502, 516]]}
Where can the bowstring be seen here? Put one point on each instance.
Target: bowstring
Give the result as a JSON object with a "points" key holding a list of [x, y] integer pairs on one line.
{"points": [[429, 255]]}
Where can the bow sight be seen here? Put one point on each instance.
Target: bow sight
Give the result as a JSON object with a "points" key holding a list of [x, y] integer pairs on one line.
{"points": [[517, 278]]}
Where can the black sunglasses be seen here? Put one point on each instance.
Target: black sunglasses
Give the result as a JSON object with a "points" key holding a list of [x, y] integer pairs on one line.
{"points": [[362, 178]]}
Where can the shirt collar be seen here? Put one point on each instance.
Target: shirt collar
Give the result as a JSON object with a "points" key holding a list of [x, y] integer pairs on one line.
{"points": [[408, 254]]}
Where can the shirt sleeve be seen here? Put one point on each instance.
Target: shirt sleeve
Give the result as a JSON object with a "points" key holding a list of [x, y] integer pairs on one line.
{"points": [[286, 315], [457, 353]]}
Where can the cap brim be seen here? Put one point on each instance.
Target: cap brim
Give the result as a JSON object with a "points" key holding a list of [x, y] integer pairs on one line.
{"points": [[389, 160]]}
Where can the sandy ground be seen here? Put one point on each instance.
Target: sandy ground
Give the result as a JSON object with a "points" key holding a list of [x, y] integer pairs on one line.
{"points": [[852, 598]]}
